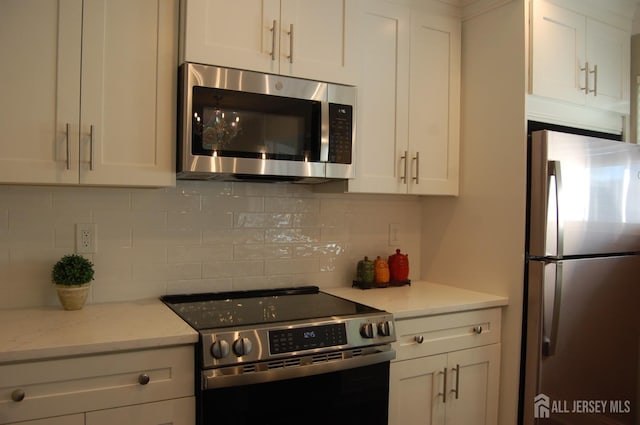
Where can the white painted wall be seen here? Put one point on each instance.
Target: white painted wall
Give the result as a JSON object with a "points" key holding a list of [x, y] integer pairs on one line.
{"points": [[476, 240], [196, 237]]}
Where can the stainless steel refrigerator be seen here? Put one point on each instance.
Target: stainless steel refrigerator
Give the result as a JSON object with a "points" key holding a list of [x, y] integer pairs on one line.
{"points": [[582, 282]]}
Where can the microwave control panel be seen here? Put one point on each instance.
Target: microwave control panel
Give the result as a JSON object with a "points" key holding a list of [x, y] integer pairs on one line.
{"points": [[340, 133]]}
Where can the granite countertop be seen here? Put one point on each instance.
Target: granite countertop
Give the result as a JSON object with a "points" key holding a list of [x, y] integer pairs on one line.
{"points": [[46, 332], [420, 299]]}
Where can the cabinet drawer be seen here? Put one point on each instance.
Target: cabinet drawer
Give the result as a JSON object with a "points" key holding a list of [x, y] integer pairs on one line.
{"points": [[179, 411], [446, 332], [72, 385]]}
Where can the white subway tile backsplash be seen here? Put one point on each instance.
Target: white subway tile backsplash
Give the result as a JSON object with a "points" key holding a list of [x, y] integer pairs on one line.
{"points": [[263, 220], [232, 203], [200, 253], [294, 236], [196, 237], [292, 204], [261, 252], [220, 269], [296, 266]]}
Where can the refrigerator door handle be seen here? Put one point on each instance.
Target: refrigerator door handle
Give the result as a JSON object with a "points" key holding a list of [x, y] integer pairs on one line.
{"points": [[555, 174], [552, 317]]}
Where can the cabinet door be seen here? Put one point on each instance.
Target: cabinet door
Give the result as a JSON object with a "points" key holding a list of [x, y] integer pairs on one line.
{"points": [[382, 99], [176, 412], [558, 53], [57, 420], [434, 104], [129, 78], [473, 393], [238, 34], [416, 391], [322, 44], [608, 49], [40, 86]]}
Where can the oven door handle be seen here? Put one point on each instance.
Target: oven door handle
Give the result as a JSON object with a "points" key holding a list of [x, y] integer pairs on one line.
{"points": [[235, 376]]}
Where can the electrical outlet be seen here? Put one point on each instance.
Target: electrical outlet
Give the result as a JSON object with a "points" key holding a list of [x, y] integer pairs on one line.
{"points": [[394, 234], [86, 242]]}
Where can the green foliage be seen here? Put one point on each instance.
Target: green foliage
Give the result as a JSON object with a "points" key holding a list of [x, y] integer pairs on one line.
{"points": [[72, 270]]}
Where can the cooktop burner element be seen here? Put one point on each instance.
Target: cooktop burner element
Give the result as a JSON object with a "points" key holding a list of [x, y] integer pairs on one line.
{"points": [[255, 331]]}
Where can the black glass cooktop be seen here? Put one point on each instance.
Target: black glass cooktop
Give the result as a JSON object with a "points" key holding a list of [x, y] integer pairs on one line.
{"points": [[242, 308]]}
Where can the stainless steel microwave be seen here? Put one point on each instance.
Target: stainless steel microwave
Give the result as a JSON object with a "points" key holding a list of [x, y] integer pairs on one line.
{"points": [[244, 125]]}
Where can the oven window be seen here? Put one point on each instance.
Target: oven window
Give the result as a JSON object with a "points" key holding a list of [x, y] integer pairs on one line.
{"points": [[247, 125], [358, 396]]}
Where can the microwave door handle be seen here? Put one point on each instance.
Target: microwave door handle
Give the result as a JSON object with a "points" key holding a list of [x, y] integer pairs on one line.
{"points": [[555, 175]]}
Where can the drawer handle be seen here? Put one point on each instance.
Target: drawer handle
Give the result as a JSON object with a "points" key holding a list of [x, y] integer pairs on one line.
{"points": [[419, 339], [143, 379], [17, 395], [477, 330]]}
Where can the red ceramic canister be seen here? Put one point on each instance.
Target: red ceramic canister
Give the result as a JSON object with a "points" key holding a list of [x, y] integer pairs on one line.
{"points": [[399, 267]]}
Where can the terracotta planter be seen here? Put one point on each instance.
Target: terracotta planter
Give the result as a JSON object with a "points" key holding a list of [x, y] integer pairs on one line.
{"points": [[73, 297]]}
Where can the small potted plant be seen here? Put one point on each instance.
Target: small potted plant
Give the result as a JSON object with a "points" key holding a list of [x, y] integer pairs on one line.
{"points": [[72, 276]]}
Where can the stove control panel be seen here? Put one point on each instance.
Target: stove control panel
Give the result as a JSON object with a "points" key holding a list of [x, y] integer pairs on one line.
{"points": [[307, 338], [226, 347]]}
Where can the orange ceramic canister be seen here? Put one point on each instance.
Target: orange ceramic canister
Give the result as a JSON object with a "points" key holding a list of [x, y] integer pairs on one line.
{"points": [[381, 270], [399, 267]]}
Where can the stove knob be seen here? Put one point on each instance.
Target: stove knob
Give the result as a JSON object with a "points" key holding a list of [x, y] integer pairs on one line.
{"points": [[220, 349], [366, 330], [242, 346], [384, 328]]}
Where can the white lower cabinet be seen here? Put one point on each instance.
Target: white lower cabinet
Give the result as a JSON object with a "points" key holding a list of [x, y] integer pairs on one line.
{"points": [[153, 386], [446, 370]]}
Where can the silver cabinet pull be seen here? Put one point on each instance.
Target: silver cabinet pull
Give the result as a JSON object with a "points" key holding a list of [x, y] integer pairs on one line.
{"points": [[290, 33], [143, 379], [444, 386], [456, 390], [595, 80], [586, 78], [273, 40], [91, 148], [417, 160], [477, 329], [419, 339], [68, 152], [403, 177], [18, 395]]}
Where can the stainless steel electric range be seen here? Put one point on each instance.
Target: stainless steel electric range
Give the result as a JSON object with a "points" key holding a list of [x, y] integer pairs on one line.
{"points": [[288, 356]]}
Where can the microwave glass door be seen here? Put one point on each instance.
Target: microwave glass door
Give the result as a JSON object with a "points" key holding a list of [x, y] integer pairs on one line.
{"points": [[229, 123]]}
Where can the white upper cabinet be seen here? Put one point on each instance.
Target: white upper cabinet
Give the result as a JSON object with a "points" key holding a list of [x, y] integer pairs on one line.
{"points": [[408, 102], [434, 104], [299, 38], [89, 97], [129, 86], [579, 59], [39, 106]]}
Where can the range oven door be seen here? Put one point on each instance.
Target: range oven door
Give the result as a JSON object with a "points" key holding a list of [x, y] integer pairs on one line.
{"points": [[356, 396]]}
